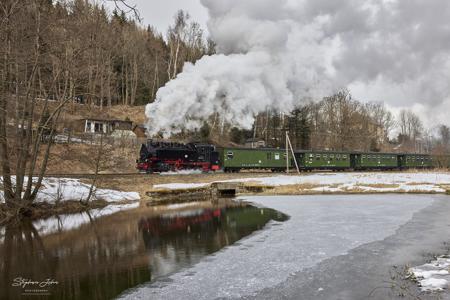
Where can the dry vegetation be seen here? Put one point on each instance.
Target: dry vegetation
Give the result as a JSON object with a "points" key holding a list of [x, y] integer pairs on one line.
{"points": [[75, 111], [77, 159]]}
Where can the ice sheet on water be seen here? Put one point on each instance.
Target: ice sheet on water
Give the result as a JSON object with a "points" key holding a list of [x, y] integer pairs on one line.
{"points": [[320, 227]]}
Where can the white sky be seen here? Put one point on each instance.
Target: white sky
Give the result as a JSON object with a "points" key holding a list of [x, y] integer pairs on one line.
{"points": [[160, 14]]}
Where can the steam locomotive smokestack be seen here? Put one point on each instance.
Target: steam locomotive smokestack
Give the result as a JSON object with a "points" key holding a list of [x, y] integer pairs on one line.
{"points": [[278, 53]]}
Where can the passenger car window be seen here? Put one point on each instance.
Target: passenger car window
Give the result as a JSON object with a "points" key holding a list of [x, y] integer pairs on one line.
{"points": [[230, 154]]}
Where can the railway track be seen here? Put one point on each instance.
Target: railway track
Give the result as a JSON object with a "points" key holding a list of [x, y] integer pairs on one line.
{"points": [[113, 175], [136, 174], [86, 175]]}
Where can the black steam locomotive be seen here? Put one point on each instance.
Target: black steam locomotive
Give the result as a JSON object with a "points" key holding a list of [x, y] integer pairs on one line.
{"points": [[166, 156]]}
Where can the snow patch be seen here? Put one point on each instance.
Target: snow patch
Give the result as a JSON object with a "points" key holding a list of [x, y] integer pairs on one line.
{"points": [[180, 186], [427, 182], [433, 276], [182, 172], [63, 189]]}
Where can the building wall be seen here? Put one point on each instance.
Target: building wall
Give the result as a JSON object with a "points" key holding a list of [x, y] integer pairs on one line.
{"points": [[140, 132], [93, 126]]}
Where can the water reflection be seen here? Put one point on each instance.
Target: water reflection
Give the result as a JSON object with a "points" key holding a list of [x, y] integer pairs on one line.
{"points": [[108, 255]]}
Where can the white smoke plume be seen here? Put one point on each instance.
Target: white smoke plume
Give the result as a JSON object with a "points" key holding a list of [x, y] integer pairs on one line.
{"points": [[277, 53]]}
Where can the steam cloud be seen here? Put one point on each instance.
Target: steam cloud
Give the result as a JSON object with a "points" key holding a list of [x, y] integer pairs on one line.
{"points": [[277, 53]]}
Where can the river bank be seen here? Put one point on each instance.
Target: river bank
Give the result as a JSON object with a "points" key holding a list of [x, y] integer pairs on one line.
{"points": [[317, 184], [64, 196]]}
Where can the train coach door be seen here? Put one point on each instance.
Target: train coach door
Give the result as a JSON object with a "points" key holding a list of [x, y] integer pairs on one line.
{"points": [[354, 160], [401, 161], [299, 157]]}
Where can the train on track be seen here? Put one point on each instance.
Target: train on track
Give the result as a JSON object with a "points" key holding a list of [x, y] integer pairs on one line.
{"points": [[164, 157]]}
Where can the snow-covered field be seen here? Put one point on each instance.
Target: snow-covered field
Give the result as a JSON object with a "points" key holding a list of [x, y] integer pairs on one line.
{"points": [[182, 172], [63, 189], [370, 182], [433, 276], [320, 227]]}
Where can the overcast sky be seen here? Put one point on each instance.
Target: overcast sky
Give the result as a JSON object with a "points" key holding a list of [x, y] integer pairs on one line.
{"points": [[279, 53], [160, 14]]}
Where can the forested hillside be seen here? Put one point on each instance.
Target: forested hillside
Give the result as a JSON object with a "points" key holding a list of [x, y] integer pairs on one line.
{"points": [[108, 56]]}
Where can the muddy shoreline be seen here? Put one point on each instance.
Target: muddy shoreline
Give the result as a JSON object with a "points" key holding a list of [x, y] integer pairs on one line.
{"points": [[43, 210]]}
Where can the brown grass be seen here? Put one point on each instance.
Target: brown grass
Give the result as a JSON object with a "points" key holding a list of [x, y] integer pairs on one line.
{"points": [[70, 159], [74, 111], [295, 189], [416, 183]]}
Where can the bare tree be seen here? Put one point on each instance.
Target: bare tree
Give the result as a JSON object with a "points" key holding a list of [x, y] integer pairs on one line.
{"points": [[185, 41], [31, 97], [99, 160], [410, 125], [444, 135]]}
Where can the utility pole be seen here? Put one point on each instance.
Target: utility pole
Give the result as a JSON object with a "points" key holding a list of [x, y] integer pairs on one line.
{"points": [[289, 146], [287, 153]]}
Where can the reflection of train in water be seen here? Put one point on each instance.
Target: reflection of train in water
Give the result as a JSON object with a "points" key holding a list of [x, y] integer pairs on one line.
{"points": [[181, 238], [214, 226], [179, 222]]}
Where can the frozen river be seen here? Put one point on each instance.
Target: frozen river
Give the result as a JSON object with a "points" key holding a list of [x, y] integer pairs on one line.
{"points": [[332, 247]]}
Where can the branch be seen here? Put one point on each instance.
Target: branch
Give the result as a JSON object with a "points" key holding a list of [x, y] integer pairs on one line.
{"points": [[123, 6]]}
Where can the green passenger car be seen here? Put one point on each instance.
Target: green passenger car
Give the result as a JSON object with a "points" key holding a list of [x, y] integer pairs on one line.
{"points": [[235, 159], [323, 160], [416, 161], [364, 161]]}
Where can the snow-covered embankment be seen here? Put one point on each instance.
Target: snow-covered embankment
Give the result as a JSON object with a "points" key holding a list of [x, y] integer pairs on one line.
{"points": [[369, 182], [65, 189]]}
